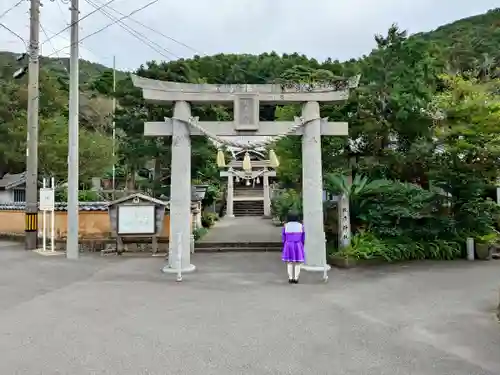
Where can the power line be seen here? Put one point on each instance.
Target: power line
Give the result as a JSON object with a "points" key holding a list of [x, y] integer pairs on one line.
{"points": [[156, 31], [15, 34], [107, 26], [141, 37], [178, 42], [71, 24], [11, 8], [169, 38], [51, 44], [59, 60], [59, 6], [66, 38]]}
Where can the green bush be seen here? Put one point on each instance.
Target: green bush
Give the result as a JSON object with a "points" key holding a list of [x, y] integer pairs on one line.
{"points": [[394, 210], [366, 245], [208, 219], [61, 195], [199, 233], [287, 201]]}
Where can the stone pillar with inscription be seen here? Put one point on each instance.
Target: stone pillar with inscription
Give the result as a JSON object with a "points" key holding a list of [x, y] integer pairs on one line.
{"points": [[312, 189], [180, 191], [267, 194], [344, 221], [230, 194]]}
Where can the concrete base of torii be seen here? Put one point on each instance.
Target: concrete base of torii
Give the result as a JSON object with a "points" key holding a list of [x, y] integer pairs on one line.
{"points": [[305, 267], [169, 269]]}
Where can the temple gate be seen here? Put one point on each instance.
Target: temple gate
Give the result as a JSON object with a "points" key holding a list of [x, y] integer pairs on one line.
{"points": [[246, 99]]}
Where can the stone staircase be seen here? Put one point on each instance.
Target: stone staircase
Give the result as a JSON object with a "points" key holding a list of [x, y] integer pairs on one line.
{"points": [[241, 192], [248, 201], [248, 208]]}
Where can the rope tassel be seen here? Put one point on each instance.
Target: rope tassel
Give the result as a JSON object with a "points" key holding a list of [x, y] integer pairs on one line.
{"points": [[221, 160], [247, 165], [273, 159]]}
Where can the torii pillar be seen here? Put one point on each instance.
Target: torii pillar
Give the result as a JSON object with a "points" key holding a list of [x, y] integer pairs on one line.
{"points": [[246, 100]]}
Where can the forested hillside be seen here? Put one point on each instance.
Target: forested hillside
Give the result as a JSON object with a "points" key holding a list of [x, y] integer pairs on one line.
{"points": [[466, 45]]}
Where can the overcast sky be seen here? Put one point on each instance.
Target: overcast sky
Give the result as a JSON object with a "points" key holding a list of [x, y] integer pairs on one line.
{"points": [[340, 29]]}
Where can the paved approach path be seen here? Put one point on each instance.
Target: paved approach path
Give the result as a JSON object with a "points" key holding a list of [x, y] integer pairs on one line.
{"points": [[244, 229], [238, 315]]}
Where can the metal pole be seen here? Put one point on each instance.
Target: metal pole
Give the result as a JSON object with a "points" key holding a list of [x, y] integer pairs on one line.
{"points": [[325, 271], [179, 257], [31, 214], [114, 126], [52, 219], [72, 250], [44, 225]]}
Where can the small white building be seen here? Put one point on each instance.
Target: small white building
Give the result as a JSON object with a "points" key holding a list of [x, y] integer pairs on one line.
{"points": [[13, 188]]}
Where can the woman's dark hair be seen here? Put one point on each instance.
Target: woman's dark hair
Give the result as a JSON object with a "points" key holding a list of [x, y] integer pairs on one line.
{"points": [[292, 216]]}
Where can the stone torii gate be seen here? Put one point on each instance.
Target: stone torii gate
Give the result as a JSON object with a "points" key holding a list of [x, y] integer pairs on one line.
{"points": [[246, 99]]}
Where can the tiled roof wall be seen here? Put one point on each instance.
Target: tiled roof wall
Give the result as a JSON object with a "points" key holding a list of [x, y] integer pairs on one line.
{"points": [[60, 206]]}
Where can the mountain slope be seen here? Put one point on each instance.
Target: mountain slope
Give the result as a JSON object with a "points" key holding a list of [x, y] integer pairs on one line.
{"points": [[469, 43]]}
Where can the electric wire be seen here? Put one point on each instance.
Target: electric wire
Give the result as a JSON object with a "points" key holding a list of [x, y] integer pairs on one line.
{"points": [[15, 34], [155, 31], [136, 34], [11, 8], [68, 39], [60, 61], [79, 20], [107, 26], [60, 8], [237, 67]]}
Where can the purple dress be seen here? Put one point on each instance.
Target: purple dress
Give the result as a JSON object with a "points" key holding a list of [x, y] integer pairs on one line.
{"points": [[293, 242]]}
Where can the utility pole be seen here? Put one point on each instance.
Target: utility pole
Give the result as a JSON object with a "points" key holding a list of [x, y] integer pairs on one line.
{"points": [[72, 248], [114, 127], [31, 214]]}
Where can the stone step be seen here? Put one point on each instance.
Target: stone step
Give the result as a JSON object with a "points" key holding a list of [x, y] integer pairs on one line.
{"points": [[238, 247], [243, 210], [250, 249], [202, 243], [248, 208], [249, 203]]}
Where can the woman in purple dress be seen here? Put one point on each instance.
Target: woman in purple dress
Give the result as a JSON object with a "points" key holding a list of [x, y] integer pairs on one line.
{"points": [[293, 247]]}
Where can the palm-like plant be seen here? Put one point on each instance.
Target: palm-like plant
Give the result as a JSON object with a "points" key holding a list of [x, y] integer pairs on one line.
{"points": [[356, 192], [360, 185]]}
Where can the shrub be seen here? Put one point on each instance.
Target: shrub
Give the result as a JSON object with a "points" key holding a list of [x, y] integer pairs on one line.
{"points": [[208, 219], [287, 201], [365, 245], [61, 195], [199, 232]]}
